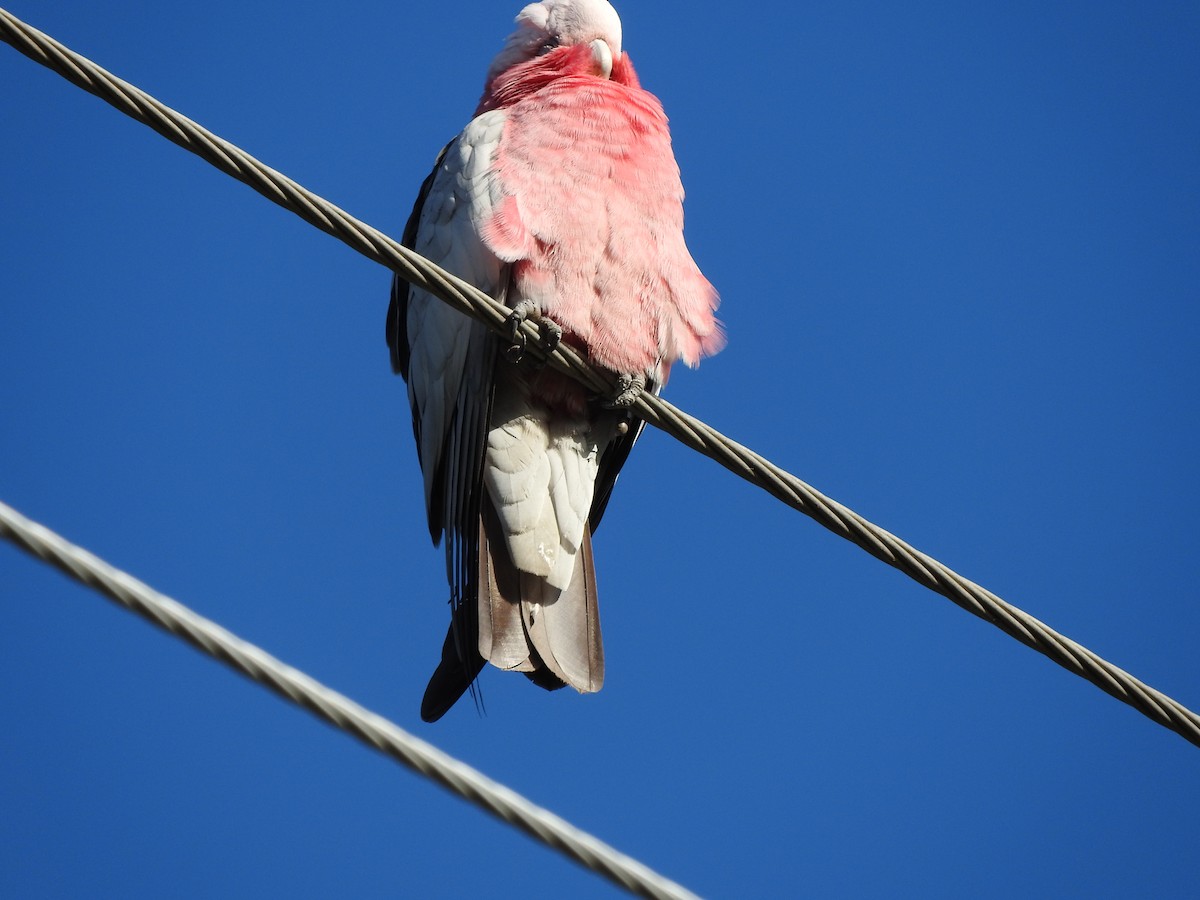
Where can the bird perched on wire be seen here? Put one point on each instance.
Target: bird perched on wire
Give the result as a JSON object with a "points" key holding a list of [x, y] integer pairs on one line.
{"points": [[562, 200]]}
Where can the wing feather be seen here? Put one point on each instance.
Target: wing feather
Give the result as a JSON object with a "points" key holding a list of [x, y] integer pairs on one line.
{"points": [[444, 355], [448, 360]]}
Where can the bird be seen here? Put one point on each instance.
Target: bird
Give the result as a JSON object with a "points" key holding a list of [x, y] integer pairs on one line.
{"points": [[562, 200]]}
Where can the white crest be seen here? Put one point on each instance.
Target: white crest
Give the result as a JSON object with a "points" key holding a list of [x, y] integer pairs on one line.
{"points": [[558, 23]]}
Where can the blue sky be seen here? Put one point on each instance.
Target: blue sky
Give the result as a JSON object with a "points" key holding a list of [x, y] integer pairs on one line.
{"points": [[958, 247]]}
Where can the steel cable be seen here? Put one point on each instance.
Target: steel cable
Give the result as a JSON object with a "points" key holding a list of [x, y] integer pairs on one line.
{"points": [[690, 431], [325, 703]]}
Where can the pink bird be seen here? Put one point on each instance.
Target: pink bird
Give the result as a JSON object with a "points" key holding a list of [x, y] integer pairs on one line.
{"points": [[562, 200]]}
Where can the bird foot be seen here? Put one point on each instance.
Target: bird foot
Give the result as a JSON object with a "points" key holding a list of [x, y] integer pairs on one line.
{"points": [[549, 331], [629, 387]]}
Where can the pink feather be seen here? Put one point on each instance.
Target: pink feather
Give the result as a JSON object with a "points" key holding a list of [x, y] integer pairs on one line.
{"points": [[592, 215]]}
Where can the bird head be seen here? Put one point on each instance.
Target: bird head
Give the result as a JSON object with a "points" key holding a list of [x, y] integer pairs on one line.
{"points": [[548, 25]]}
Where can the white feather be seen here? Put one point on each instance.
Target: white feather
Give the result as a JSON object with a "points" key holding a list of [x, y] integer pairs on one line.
{"points": [[540, 472], [462, 196], [559, 23]]}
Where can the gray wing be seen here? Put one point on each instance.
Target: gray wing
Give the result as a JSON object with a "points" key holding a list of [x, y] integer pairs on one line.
{"points": [[442, 354], [447, 360]]}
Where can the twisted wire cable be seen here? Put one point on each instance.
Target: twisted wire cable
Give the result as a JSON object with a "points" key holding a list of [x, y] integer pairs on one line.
{"points": [[325, 703], [690, 431]]}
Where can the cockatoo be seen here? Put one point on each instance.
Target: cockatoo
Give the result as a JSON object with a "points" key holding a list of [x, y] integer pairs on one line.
{"points": [[562, 200]]}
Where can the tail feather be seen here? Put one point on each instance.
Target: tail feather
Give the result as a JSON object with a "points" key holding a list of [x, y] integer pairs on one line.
{"points": [[526, 625], [520, 623], [563, 627], [457, 670], [501, 637]]}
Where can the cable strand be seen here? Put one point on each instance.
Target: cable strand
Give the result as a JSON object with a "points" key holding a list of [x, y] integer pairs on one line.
{"points": [[325, 703], [690, 431]]}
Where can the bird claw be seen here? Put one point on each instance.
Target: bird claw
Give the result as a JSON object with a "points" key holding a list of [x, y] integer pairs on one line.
{"points": [[549, 331], [629, 387]]}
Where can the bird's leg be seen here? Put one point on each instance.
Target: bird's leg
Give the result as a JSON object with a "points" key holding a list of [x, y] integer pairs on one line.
{"points": [[549, 331], [629, 387]]}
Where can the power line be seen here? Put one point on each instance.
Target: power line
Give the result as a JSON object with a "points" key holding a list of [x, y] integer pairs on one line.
{"points": [[690, 431], [325, 703]]}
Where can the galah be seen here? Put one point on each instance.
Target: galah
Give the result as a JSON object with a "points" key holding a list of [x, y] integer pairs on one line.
{"points": [[562, 200]]}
